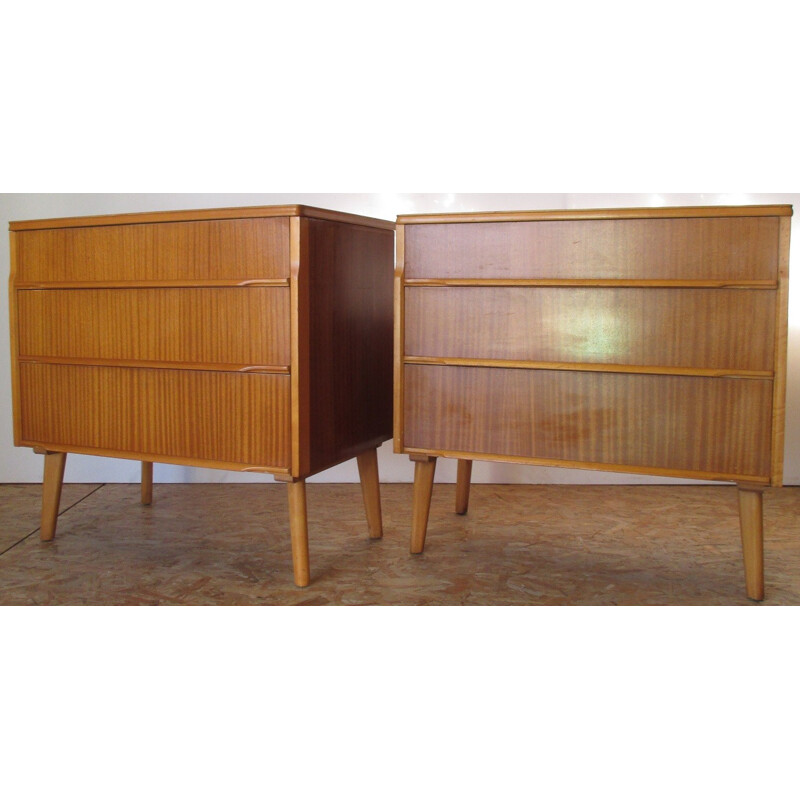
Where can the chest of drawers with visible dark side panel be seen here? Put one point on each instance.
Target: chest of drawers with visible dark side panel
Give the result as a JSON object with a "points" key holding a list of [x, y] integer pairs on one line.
{"points": [[256, 340], [648, 341]]}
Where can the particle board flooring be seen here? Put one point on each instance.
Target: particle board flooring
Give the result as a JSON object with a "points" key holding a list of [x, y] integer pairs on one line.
{"points": [[223, 544]]}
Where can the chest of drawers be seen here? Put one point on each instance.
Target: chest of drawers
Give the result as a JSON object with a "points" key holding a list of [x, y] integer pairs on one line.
{"points": [[255, 339], [648, 341]]}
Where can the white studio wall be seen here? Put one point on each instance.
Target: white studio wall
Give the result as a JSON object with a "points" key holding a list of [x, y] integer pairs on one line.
{"points": [[21, 465]]}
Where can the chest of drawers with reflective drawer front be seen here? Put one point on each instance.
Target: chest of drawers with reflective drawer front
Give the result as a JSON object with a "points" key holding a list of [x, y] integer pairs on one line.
{"points": [[649, 341], [252, 339]]}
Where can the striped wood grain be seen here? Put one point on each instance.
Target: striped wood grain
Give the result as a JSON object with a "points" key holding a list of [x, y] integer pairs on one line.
{"points": [[681, 425], [741, 248], [243, 327], [208, 416], [699, 328], [237, 249]]}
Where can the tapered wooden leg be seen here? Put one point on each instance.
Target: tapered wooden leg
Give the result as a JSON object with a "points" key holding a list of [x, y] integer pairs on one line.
{"points": [[298, 524], [147, 483], [462, 486], [51, 493], [371, 489], [752, 524], [424, 471]]}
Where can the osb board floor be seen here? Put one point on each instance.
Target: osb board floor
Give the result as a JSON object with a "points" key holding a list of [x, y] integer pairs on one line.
{"points": [[519, 545]]}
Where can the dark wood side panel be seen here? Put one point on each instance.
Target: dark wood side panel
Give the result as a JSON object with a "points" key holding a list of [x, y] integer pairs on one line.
{"points": [[694, 328], [209, 416], [683, 424], [236, 326], [351, 339], [240, 249], [743, 248]]}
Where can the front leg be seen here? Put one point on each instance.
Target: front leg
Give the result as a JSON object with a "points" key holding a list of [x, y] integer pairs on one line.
{"points": [[298, 525], [54, 464], [751, 519], [424, 471]]}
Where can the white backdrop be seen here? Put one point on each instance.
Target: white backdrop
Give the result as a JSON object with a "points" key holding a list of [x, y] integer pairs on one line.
{"points": [[20, 465]]}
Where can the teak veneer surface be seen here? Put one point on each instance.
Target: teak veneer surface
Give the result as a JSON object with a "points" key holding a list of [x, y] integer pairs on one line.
{"points": [[213, 250], [647, 340], [207, 416], [257, 339], [634, 326], [244, 326], [714, 249], [591, 417]]}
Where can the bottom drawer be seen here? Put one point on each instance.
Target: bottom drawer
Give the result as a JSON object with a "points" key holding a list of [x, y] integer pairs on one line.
{"points": [[223, 417], [670, 424]]}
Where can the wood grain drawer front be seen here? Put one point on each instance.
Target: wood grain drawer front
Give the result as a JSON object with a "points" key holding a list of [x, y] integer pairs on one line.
{"points": [[691, 328], [241, 327], [239, 249], [205, 416], [726, 249], [666, 424]]}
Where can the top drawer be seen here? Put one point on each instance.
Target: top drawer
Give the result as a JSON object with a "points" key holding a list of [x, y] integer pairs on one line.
{"points": [[724, 249], [237, 249]]}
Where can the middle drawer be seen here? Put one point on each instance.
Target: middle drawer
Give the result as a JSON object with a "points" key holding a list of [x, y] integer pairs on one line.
{"points": [[232, 327], [651, 326]]}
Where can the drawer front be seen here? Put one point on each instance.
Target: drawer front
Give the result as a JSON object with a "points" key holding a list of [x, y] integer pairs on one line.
{"points": [[672, 424], [728, 249], [227, 326], [205, 416], [239, 249], [691, 328]]}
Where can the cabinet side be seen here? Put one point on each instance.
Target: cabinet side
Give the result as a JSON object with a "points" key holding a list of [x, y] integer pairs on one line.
{"points": [[781, 343], [14, 338], [299, 337], [399, 338], [350, 340]]}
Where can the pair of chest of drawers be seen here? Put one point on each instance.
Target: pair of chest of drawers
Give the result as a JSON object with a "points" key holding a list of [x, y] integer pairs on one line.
{"points": [[647, 341], [256, 340]]}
